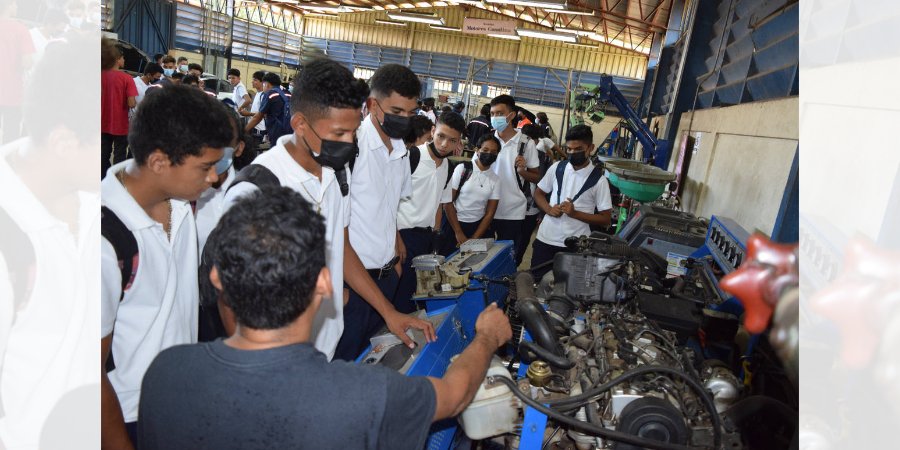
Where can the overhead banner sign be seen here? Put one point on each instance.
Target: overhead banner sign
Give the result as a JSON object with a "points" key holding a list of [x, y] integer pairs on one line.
{"points": [[488, 26]]}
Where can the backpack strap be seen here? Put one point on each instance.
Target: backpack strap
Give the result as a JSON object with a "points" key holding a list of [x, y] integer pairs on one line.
{"points": [[256, 174], [523, 185], [122, 239], [467, 173], [414, 156], [592, 180], [18, 253]]}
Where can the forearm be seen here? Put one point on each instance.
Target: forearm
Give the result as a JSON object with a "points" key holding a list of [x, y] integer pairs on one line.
{"points": [[530, 175], [463, 377], [112, 429], [540, 200], [486, 220], [253, 122], [450, 210], [438, 218]]}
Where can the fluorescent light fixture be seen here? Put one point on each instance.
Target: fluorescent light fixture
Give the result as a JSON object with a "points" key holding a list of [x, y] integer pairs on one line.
{"points": [[390, 22], [576, 12], [416, 17], [466, 2], [574, 31], [546, 4], [511, 37], [571, 38], [333, 8], [442, 27], [319, 13]]}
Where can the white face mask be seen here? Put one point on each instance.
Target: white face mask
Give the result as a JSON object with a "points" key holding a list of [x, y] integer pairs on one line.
{"points": [[183, 68]]}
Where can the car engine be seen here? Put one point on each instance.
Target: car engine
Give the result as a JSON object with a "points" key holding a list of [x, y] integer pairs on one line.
{"points": [[617, 355]]}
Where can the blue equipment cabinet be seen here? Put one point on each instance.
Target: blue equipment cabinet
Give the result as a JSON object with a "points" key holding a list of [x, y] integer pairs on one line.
{"points": [[726, 246]]}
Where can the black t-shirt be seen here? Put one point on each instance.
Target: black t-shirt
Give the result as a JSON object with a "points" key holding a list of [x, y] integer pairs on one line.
{"points": [[214, 396]]}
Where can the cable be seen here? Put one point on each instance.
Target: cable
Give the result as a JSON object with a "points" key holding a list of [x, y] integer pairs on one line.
{"points": [[642, 370], [585, 427]]}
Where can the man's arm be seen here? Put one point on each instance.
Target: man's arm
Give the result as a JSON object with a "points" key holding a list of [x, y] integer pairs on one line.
{"points": [[485, 224], [457, 388], [359, 280], [254, 122], [132, 102], [602, 218], [540, 200], [246, 103], [453, 220], [112, 425]]}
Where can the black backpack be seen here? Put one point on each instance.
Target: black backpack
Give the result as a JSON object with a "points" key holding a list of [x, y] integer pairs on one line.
{"points": [[467, 173], [523, 185], [124, 243], [282, 126], [261, 176], [415, 155], [18, 253]]}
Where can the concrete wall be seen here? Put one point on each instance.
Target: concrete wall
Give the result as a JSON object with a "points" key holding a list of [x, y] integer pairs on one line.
{"points": [[740, 166]]}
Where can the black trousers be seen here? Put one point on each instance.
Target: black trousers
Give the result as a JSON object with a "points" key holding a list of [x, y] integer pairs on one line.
{"points": [[542, 253], [511, 230], [11, 122], [112, 146], [361, 321], [418, 242]]}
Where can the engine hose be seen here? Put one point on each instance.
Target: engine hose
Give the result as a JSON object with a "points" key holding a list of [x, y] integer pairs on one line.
{"points": [[589, 408], [537, 323], [586, 427], [643, 370], [524, 283], [560, 362], [751, 407]]}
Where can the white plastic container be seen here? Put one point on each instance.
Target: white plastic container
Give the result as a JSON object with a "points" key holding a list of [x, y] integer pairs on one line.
{"points": [[494, 410]]}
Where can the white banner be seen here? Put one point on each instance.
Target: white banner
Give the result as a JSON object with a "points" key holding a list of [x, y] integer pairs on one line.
{"points": [[489, 26]]}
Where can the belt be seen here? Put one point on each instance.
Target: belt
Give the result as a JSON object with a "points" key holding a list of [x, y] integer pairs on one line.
{"points": [[384, 272], [422, 229]]}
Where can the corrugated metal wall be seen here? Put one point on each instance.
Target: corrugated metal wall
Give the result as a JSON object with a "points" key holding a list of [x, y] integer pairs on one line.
{"points": [[361, 28]]}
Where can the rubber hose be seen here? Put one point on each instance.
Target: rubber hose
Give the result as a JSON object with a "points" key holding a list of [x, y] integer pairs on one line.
{"points": [[589, 408], [537, 323], [588, 428], [524, 282], [643, 370], [560, 362]]}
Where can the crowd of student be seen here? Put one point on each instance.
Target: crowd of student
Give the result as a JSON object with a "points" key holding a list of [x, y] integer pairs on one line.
{"points": [[309, 241]]}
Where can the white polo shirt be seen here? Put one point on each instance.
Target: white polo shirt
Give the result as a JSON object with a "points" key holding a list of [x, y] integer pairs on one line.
{"points": [[555, 230], [254, 108], [48, 346], [141, 88], [428, 192], [512, 201], [160, 309], [379, 181], [238, 95], [335, 208], [210, 207], [482, 185]]}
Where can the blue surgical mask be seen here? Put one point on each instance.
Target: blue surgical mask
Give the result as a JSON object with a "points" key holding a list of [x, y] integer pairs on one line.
{"points": [[169, 72], [226, 161], [499, 123], [183, 68]]}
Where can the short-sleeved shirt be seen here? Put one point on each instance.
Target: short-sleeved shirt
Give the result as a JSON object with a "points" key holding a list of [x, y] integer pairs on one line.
{"points": [[512, 201], [482, 185], [238, 95], [160, 308], [141, 88], [380, 179], [210, 207], [213, 396], [272, 105], [555, 230], [15, 44], [335, 209], [429, 189], [115, 88], [254, 108]]}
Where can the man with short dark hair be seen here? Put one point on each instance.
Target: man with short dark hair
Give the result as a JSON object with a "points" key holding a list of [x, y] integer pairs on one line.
{"points": [[272, 108], [266, 386], [152, 73], [517, 165], [381, 177], [260, 129], [479, 126], [182, 65], [419, 217], [175, 155], [239, 96], [311, 161], [195, 70], [118, 95], [579, 197], [168, 65]]}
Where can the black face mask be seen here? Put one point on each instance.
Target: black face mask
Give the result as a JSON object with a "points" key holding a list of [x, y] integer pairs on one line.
{"points": [[395, 126], [578, 158], [334, 154], [436, 153], [487, 158]]}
